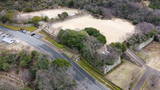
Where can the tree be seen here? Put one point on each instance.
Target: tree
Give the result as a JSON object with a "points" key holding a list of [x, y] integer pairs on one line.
{"points": [[94, 32], [46, 19], [35, 55], [28, 10], [61, 63], [121, 47], [155, 4], [8, 17], [5, 66], [4, 19], [42, 63], [90, 50], [144, 27], [35, 20], [72, 38], [63, 15], [24, 59]]}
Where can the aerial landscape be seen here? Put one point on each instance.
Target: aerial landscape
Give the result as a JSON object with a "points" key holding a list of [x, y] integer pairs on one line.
{"points": [[79, 44]]}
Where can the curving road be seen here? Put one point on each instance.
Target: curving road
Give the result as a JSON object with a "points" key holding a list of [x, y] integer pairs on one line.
{"points": [[84, 80]]}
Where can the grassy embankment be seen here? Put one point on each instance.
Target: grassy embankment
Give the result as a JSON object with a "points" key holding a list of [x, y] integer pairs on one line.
{"points": [[30, 28], [51, 40], [96, 74]]}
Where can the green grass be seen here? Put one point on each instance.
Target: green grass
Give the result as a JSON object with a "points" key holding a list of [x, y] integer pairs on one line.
{"points": [[51, 40], [10, 27], [96, 74], [30, 28]]}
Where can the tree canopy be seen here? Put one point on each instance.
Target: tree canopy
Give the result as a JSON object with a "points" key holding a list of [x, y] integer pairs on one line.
{"points": [[46, 74], [94, 32]]}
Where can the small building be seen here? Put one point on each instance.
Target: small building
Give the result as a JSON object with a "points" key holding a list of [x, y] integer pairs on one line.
{"points": [[107, 54], [8, 40]]}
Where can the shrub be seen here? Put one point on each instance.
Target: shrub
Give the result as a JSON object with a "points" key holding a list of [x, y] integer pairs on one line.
{"points": [[42, 64], [61, 63], [25, 60], [8, 17], [152, 33], [4, 19], [28, 10], [36, 19], [63, 15], [5, 66], [45, 18], [119, 46]]}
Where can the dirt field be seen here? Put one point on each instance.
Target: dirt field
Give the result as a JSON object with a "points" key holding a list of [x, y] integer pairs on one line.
{"points": [[115, 30], [125, 75], [16, 47], [151, 54], [51, 13], [152, 82]]}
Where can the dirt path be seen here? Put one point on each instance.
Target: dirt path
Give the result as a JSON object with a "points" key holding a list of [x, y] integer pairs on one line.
{"points": [[51, 13]]}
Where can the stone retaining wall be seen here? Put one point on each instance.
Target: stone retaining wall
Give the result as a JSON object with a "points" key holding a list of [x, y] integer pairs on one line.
{"points": [[108, 68], [144, 44]]}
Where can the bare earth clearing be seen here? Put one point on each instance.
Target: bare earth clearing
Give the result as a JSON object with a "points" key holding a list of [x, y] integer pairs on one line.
{"points": [[152, 83], [16, 47], [152, 55], [115, 30], [125, 75], [51, 13]]}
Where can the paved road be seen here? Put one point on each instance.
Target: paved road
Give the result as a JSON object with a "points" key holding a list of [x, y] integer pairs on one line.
{"points": [[86, 81]]}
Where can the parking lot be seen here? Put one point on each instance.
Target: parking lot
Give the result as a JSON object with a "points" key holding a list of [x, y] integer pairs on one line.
{"points": [[7, 38]]}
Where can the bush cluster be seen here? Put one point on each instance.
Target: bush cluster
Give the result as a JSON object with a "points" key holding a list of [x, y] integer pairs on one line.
{"points": [[88, 42]]}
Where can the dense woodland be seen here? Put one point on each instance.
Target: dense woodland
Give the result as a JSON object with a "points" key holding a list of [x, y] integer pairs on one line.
{"points": [[133, 10], [44, 73]]}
